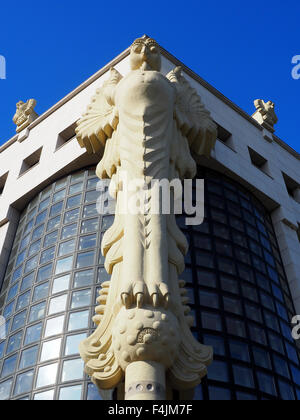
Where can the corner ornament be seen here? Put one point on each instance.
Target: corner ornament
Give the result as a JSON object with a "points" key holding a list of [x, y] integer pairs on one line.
{"points": [[146, 123], [25, 114], [265, 114]]}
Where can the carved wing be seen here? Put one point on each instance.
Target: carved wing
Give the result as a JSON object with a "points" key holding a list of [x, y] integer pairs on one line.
{"points": [[193, 119], [101, 117]]}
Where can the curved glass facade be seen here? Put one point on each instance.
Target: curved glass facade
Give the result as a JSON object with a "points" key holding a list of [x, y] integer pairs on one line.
{"points": [[235, 278], [240, 298], [51, 292]]}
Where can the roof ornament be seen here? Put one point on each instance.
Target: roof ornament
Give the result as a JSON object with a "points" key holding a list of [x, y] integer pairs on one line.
{"points": [[25, 114], [265, 114]]}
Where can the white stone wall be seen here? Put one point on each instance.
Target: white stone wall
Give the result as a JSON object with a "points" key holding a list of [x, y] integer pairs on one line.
{"points": [[235, 163]]}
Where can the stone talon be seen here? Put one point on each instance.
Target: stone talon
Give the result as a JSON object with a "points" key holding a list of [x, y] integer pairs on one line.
{"points": [[155, 300], [139, 299], [126, 300]]}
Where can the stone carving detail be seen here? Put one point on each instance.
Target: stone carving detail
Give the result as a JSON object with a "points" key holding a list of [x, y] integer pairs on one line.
{"points": [[265, 114], [25, 114], [147, 123]]}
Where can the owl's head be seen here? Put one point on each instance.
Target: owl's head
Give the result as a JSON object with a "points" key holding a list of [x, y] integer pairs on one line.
{"points": [[145, 52]]}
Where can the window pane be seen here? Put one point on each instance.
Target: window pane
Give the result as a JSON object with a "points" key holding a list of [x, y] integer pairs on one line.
{"points": [[70, 393], [239, 351], [73, 201], [14, 342], [59, 196], [54, 326], [69, 231], [211, 321], [58, 304], [9, 365], [72, 344], [27, 282], [93, 393], [40, 292], [47, 255], [243, 376], [216, 342], [24, 383], [90, 225], [47, 375], [56, 209], [81, 298], [19, 321], [5, 388], [85, 259], [44, 273], [218, 371], [44, 396], [29, 357], [71, 216], [51, 350], [23, 301], [76, 188], [64, 265], [53, 223], [266, 383], [51, 238], [78, 320], [84, 278], [86, 242], [37, 312], [72, 370], [33, 333], [66, 247], [90, 210], [60, 284]]}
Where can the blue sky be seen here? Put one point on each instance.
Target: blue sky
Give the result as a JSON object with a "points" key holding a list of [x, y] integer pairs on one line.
{"points": [[244, 49]]}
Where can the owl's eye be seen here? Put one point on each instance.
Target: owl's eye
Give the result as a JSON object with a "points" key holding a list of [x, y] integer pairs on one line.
{"points": [[138, 49], [153, 49]]}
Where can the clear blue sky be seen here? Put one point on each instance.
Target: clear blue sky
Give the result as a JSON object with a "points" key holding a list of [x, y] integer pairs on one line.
{"points": [[244, 49]]}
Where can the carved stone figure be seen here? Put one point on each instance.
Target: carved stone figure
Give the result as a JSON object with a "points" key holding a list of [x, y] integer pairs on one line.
{"points": [[25, 114], [147, 123], [265, 114]]}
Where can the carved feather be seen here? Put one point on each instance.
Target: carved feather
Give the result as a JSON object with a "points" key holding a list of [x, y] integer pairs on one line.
{"points": [[193, 119], [101, 117]]}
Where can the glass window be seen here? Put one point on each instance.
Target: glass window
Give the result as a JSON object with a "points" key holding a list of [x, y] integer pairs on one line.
{"points": [[218, 371], [12, 292], [239, 350], [71, 216], [66, 247], [44, 396], [17, 274], [29, 357], [253, 312], [219, 394], [81, 298], [53, 223], [286, 391], [243, 376], [72, 370], [27, 282], [56, 209], [47, 255], [281, 366], [257, 334], [235, 327], [34, 248], [9, 365], [211, 321], [2, 345], [58, 304], [8, 310], [40, 292], [33, 333], [89, 225], [86, 242], [232, 305], [59, 196], [20, 258], [209, 299], [70, 393], [37, 312], [85, 259], [69, 231], [266, 383], [44, 273], [23, 301], [76, 188], [31, 264], [47, 375], [54, 326], [51, 238], [60, 184], [37, 233], [205, 278], [24, 382], [216, 342], [44, 204], [102, 275], [276, 342], [90, 210], [5, 388], [83, 278], [51, 350], [78, 320], [60, 284], [14, 342], [41, 217], [19, 321], [93, 393], [64, 265], [72, 344], [73, 201]]}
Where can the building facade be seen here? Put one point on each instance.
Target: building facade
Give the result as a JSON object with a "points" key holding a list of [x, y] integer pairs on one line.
{"points": [[241, 270]]}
